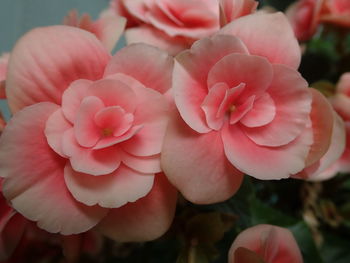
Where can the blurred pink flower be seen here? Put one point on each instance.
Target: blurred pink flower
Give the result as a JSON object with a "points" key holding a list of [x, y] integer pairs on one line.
{"points": [[174, 25], [304, 15], [244, 109], [4, 58], [86, 136], [108, 28], [338, 12], [270, 244]]}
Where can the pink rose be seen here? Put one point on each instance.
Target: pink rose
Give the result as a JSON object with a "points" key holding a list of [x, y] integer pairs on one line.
{"points": [[108, 28], [304, 15], [174, 25], [265, 243], [338, 12], [244, 109], [86, 137]]}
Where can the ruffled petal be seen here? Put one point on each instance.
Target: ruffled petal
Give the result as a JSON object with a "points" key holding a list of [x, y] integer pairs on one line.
{"points": [[112, 190], [267, 35], [263, 162], [46, 60], [292, 100], [191, 72], [196, 164], [34, 175], [149, 65], [146, 219], [146, 164]]}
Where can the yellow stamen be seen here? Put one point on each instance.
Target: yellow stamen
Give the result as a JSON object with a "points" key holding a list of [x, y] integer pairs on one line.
{"points": [[232, 108], [107, 132]]}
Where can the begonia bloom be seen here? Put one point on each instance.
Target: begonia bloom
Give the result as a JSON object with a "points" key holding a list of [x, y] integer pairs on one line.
{"points": [[304, 16], [108, 28], [338, 12], [174, 25], [86, 138], [243, 108], [271, 244]]}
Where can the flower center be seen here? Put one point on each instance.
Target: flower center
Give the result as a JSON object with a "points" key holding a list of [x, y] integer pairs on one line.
{"points": [[107, 132]]}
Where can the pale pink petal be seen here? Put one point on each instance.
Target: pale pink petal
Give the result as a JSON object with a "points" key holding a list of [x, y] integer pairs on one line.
{"points": [[146, 164], [33, 172], [253, 71], [232, 9], [86, 132], [340, 103], [72, 97], [241, 110], [262, 113], [292, 100], [94, 162], [4, 59], [149, 65], [157, 38], [196, 164], [112, 190], [148, 141], [55, 126], [212, 105], [190, 76], [318, 171], [272, 243], [265, 162], [136, 8], [267, 35], [343, 85], [46, 60], [322, 118], [114, 92], [146, 219]]}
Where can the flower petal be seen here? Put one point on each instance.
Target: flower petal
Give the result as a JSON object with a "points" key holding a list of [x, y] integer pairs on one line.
{"points": [[262, 162], [112, 190], [146, 219], [149, 65], [196, 164], [267, 35], [293, 100], [146, 164], [34, 175], [191, 72], [89, 161], [46, 60]]}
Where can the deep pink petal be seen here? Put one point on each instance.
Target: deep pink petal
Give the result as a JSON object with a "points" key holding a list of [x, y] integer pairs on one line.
{"points": [[149, 65], [55, 127], [292, 99], [265, 162], [272, 243], [89, 161], [262, 113], [112, 190], [253, 71], [33, 172], [267, 35], [196, 164], [86, 132], [190, 76], [146, 219], [46, 60], [72, 97]]}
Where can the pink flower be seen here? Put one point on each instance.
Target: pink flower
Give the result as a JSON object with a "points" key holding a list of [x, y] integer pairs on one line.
{"points": [[265, 243], [174, 25], [304, 16], [244, 109], [85, 141], [108, 28], [338, 12], [233, 9], [4, 58]]}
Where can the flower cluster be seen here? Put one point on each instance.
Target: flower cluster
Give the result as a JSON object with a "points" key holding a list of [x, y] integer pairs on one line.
{"points": [[104, 143]]}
